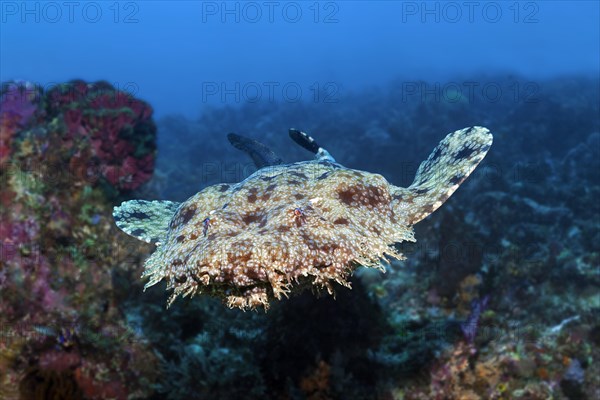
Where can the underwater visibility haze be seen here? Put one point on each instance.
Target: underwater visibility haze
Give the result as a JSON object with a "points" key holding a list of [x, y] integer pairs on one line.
{"points": [[299, 200]]}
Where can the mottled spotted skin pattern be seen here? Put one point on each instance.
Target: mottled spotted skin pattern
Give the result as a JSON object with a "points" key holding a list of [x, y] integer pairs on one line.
{"points": [[308, 222], [448, 165], [287, 227], [145, 220]]}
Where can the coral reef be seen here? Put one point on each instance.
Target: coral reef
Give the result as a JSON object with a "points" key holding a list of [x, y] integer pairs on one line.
{"points": [[117, 128], [498, 299], [63, 335], [18, 103]]}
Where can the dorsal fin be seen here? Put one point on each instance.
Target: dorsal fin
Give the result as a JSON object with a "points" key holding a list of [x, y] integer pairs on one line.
{"points": [[261, 155], [145, 220], [310, 144], [448, 165]]}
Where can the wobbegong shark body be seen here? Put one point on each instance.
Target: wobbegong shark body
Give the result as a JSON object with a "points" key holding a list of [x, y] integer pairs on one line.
{"points": [[290, 226]]}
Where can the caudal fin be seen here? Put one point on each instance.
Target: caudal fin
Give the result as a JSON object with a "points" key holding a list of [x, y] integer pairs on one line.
{"points": [[145, 220], [450, 163], [261, 155]]}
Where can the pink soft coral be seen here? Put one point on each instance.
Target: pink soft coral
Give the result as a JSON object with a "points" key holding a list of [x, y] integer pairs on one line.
{"points": [[118, 127]]}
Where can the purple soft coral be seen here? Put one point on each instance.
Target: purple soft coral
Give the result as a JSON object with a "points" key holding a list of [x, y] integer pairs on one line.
{"points": [[470, 326], [19, 99]]}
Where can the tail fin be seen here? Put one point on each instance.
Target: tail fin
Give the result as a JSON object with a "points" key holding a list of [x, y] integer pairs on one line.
{"points": [[450, 163], [261, 155], [145, 220]]}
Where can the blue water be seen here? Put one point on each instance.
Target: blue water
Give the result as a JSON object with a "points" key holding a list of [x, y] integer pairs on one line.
{"points": [[182, 55]]}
